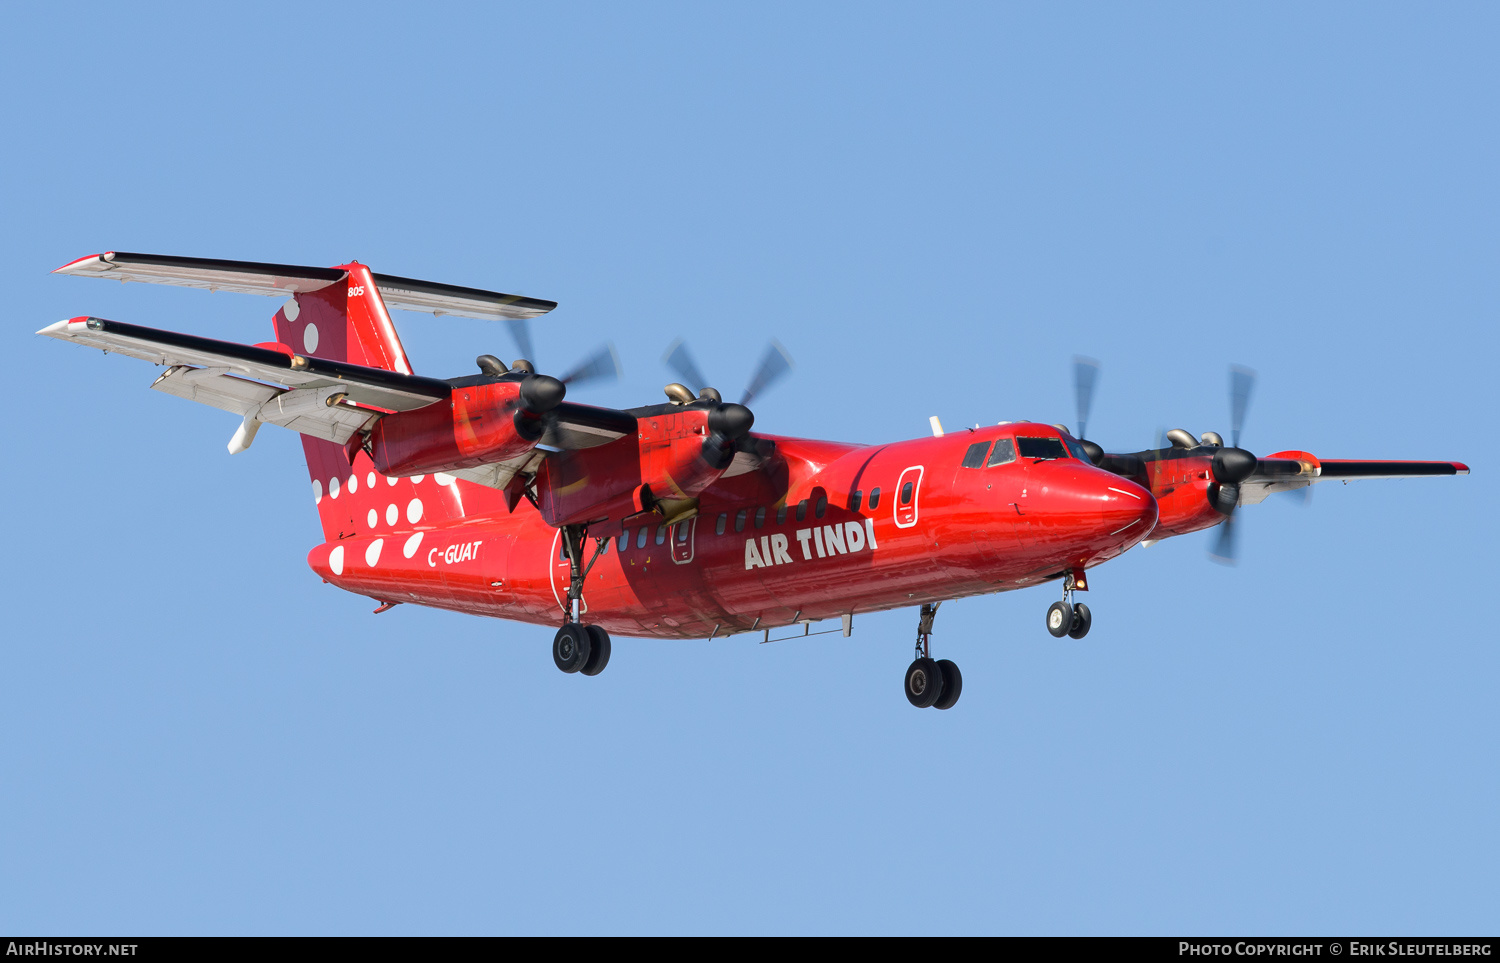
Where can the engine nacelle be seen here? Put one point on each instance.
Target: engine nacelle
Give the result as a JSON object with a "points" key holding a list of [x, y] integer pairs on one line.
{"points": [[481, 424]]}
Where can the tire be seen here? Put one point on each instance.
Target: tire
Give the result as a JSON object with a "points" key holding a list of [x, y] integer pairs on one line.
{"points": [[1082, 619], [571, 647], [1059, 619], [924, 683], [599, 657], [953, 685]]}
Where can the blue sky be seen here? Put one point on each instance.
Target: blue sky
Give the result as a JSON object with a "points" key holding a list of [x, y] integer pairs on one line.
{"points": [[934, 207]]}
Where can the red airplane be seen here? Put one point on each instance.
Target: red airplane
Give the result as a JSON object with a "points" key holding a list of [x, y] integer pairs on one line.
{"points": [[491, 494]]}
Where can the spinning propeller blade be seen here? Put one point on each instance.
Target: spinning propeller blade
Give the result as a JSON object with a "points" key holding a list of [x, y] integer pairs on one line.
{"points": [[679, 360], [1223, 551], [520, 330], [602, 365], [773, 364], [1085, 373], [1241, 380]]}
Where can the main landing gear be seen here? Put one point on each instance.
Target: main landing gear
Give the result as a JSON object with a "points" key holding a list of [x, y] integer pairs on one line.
{"points": [[1066, 617], [929, 681], [578, 647]]}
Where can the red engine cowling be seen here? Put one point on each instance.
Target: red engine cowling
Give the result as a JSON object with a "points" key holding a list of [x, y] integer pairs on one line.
{"points": [[481, 424]]}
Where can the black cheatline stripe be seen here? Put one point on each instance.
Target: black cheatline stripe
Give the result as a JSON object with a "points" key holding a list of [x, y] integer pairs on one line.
{"points": [[337, 370], [126, 258]]}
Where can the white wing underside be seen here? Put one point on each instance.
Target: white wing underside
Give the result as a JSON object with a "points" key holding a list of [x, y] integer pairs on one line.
{"points": [[288, 399]]}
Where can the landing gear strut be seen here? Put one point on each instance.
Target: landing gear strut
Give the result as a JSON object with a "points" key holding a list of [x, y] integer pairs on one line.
{"points": [[1066, 617], [578, 647], [929, 681]]}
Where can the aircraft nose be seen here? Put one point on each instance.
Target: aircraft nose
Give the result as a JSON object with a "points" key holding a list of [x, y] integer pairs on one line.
{"points": [[1091, 511], [1127, 512]]}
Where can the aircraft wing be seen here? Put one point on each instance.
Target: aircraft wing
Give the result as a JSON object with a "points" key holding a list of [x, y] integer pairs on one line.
{"points": [[325, 399], [284, 280], [1287, 471]]}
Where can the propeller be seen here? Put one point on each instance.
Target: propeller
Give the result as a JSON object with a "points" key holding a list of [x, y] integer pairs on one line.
{"points": [[1241, 380], [1085, 374], [602, 365], [1231, 465], [679, 360], [775, 363]]}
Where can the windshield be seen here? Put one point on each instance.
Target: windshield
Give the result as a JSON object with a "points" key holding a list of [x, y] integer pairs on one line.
{"points": [[1041, 448]]}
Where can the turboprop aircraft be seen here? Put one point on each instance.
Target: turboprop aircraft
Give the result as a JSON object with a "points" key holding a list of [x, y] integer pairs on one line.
{"points": [[491, 494]]}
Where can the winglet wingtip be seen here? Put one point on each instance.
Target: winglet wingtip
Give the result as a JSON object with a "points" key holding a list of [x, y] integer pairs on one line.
{"points": [[77, 261]]}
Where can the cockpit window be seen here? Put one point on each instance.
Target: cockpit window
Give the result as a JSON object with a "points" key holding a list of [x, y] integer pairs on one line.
{"points": [[1004, 453], [1041, 448], [974, 457], [1076, 448]]}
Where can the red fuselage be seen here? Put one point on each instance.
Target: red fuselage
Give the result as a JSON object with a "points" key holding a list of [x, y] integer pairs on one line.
{"points": [[833, 529]]}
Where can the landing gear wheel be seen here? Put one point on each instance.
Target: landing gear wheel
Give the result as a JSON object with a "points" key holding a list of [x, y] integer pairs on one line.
{"points": [[599, 657], [571, 647], [953, 684], [924, 683], [1059, 619], [1081, 621]]}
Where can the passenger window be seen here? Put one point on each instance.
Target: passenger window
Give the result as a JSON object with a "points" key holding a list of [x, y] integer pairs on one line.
{"points": [[855, 500], [781, 514], [760, 516], [722, 523], [624, 542], [661, 534], [682, 530], [802, 510], [739, 520], [1041, 448], [640, 539], [821, 506], [874, 499], [1004, 453], [974, 457], [906, 491]]}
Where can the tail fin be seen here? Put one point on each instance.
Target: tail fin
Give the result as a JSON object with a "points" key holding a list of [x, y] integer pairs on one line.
{"points": [[348, 321]]}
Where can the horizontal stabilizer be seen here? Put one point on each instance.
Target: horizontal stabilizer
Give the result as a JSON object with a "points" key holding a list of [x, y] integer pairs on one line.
{"points": [[284, 280]]}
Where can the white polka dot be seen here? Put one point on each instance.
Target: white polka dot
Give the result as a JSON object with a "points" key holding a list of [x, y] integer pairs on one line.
{"points": [[392, 513], [374, 518], [417, 479], [390, 481], [353, 484], [291, 309], [336, 560], [370, 479], [317, 491], [333, 488], [414, 511], [410, 548], [443, 478], [372, 554], [310, 338]]}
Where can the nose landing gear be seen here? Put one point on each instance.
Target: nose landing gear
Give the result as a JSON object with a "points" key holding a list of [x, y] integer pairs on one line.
{"points": [[1066, 617], [931, 682], [578, 647]]}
